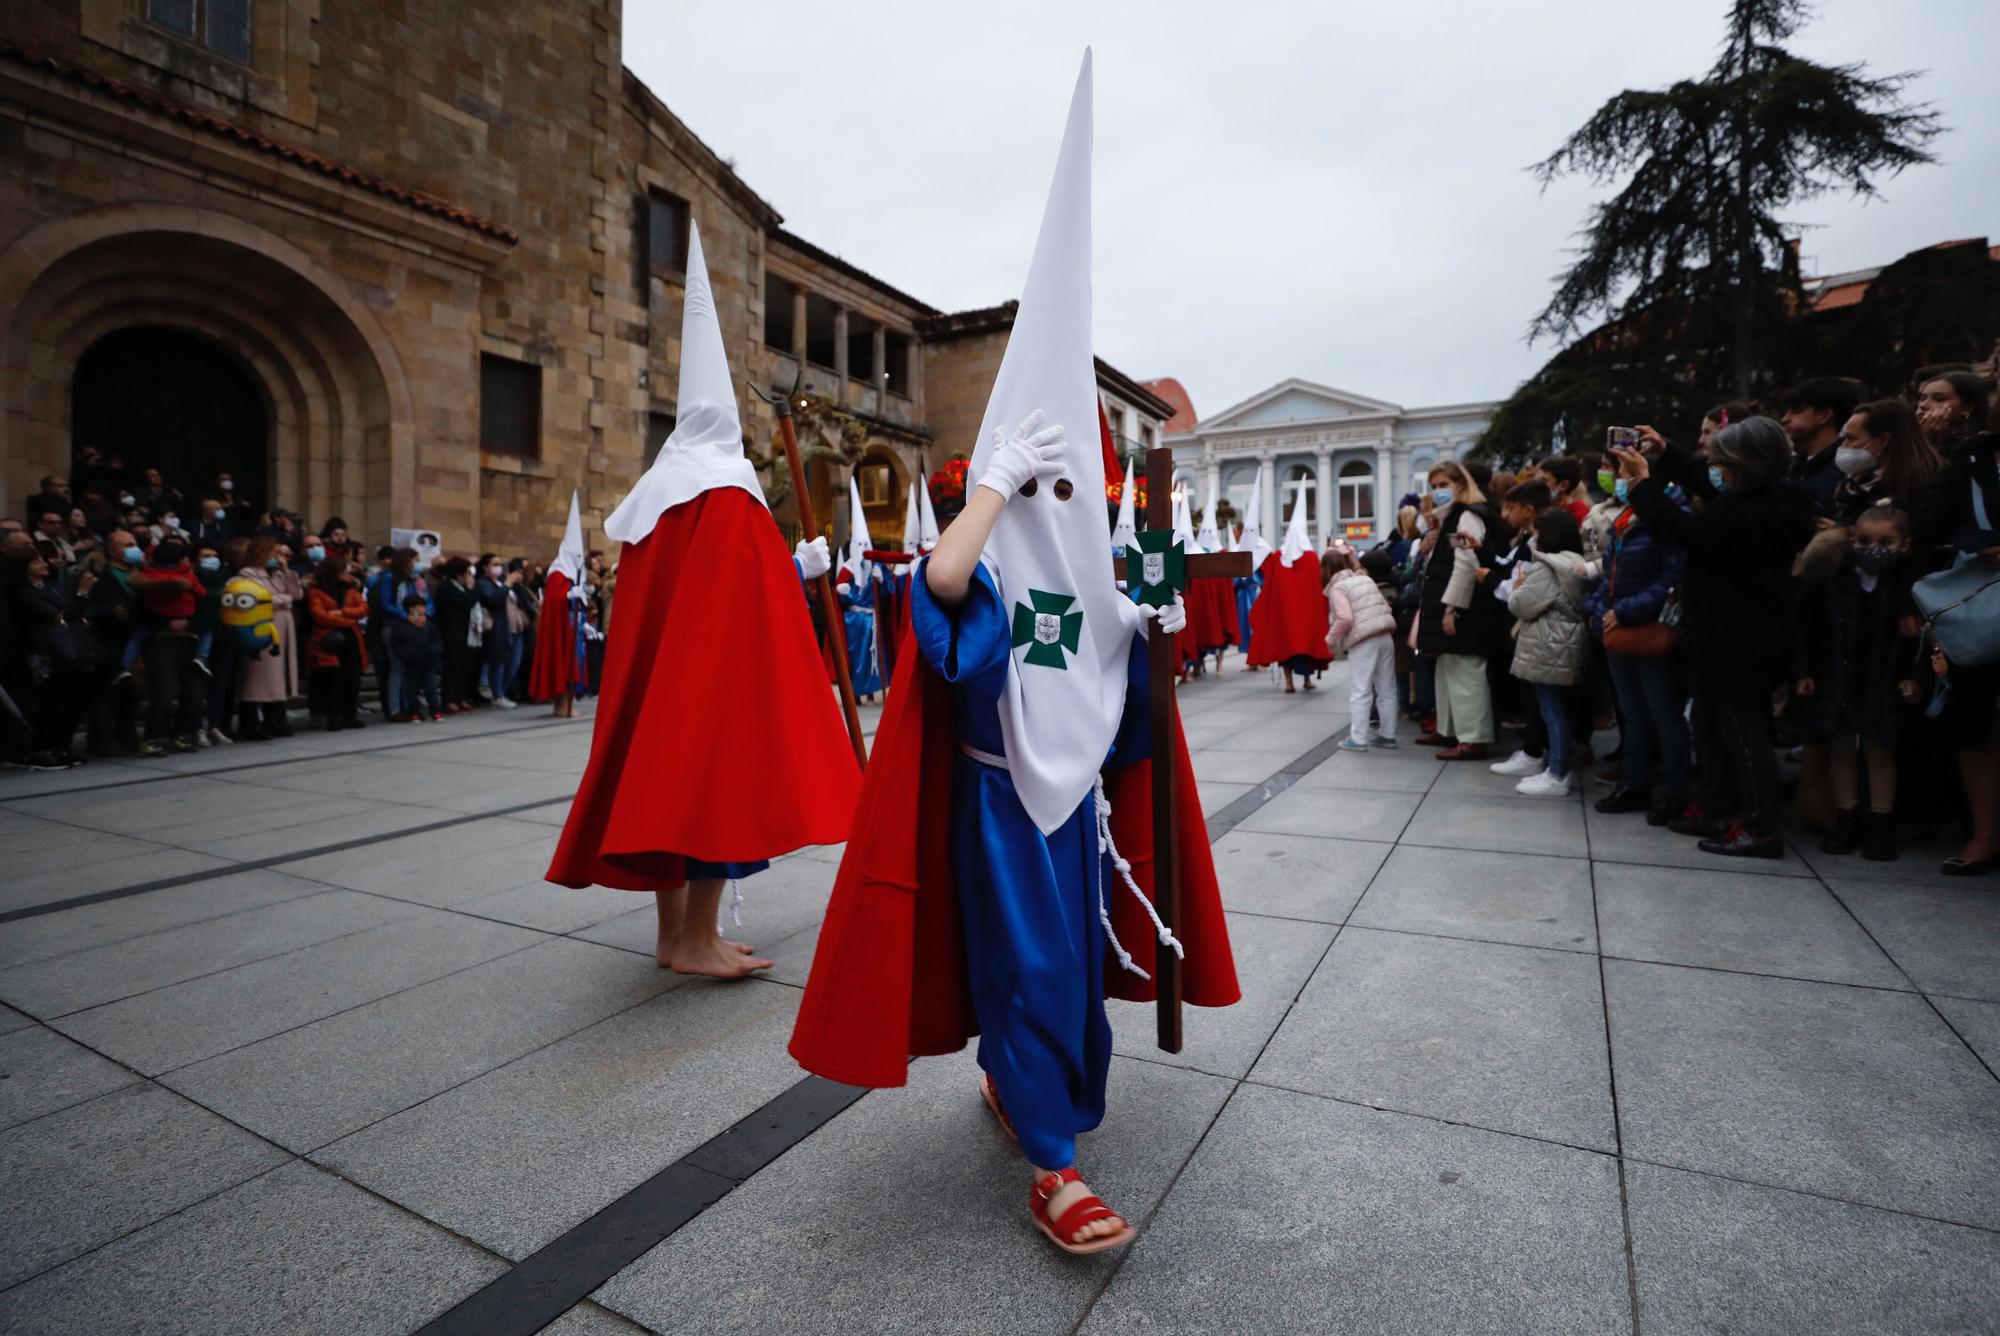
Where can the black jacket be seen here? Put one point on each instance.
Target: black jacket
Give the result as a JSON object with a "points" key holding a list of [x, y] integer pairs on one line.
{"points": [[1480, 623], [1739, 603], [454, 611], [1855, 654], [37, 612], [1818, 477]]}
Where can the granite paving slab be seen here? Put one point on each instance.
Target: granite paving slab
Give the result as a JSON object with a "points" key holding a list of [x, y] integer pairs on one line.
{"points": [[1978, 1023], [295, 1251], [1626, 838], [1407, 769], [1274, 958], [159, 1031], [1717, 1256], [1509, 825], [1216, 796], [1514, 1042], [122, 920], [1943, 937], [588, 1319], [1737, 921], [1242, 767], [928, 1157], [377, 821], [401, 1049], [1918, 861], [1304, 1215], [513, 1159], [40, 1072], [101, 974], [439, 867], [785, 900], [1294, 876], [1855, 1093], [549, 908], [154, 863], [12, 1020], [1346, 814], [1525, 899], [87, 1174]]}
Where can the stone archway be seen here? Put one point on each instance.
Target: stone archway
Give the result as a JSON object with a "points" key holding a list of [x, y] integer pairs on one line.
{"points": [[339, 433]]}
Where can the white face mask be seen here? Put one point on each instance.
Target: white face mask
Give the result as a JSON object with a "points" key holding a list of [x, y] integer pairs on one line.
{"points": [[1853, 461], [228, 486]]}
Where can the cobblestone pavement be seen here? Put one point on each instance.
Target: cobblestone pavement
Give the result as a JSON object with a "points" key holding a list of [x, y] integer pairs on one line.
{"points": [[300, 1042]]}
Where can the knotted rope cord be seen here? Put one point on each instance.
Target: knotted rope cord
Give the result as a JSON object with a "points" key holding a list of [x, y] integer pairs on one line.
{"points": [[735, 906]]}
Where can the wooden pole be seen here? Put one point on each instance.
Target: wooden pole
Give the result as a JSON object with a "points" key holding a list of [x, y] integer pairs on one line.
{"points": [[1162, 669], [829, 607]]}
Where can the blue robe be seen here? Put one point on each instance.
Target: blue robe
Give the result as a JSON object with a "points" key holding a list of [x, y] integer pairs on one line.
{"points": [[864, 666], [1247, 589], [1035, 950]]}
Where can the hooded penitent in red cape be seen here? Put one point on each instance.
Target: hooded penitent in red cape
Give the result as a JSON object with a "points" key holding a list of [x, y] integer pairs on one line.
{"points": [[1289, 620], [888, 982], [557, 669], [716, 737]]}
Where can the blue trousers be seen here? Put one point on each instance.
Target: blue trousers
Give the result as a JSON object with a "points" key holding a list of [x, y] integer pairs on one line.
{"points": [[1653, 705], [1554, 702]]}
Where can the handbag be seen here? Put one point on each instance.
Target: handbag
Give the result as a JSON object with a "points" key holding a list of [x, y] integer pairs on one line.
{"points": [[1654, 640], [1961, 606], [77, 649]]}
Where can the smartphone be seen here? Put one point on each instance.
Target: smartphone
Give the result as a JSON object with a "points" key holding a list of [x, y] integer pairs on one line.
{"points": [[1621, 438]]}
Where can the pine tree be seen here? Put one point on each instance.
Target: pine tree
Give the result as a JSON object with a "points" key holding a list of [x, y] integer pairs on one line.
{"points": [[1694, 236]]}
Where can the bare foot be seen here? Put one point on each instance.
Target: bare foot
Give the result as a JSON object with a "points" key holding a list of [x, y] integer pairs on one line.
{"points": [[738, 947], [1068, 1195], [715, 960]]}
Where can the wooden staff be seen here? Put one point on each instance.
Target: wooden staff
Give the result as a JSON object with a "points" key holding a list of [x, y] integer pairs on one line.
{"points": [[829, 606]]}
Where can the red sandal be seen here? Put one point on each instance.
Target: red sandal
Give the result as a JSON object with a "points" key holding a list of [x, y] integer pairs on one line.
{"points": [[989, 1093], [1081, 1212]]}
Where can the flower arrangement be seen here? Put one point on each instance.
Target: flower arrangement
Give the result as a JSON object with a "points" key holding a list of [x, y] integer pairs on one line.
{"points": [[948, 483], [1114, 492]]}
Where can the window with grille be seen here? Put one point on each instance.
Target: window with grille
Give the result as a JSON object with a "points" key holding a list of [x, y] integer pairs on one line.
{"points": [[222, 26], [667, 231], [510, 406]]}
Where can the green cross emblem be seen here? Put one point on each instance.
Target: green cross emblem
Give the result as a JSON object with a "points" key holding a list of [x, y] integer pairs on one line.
{"points": [[1046, 626], [1160, 565]]}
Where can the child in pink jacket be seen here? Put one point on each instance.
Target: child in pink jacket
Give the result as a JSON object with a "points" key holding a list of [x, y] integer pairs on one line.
{"points": [[1364, 629]]}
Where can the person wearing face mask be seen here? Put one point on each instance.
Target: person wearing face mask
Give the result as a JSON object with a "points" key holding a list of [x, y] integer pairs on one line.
{"points": [[115, 613], [1738, 613], [271, 678], [218, 653], [1459, 621], [1882, 456], [495, 592], [1861, 675], [1641, 573], [214, 526]]}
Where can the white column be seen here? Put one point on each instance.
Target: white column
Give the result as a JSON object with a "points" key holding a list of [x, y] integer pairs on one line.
{"points": [[840, 354], [1385, 492], [1273, 522], [1329, 523], [1211, 483]]}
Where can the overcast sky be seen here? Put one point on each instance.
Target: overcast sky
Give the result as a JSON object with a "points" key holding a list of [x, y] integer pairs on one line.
{"points": [[1333, 191]]}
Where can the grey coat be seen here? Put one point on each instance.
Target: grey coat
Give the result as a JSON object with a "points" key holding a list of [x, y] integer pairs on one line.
{"points": [[1551, 641]]}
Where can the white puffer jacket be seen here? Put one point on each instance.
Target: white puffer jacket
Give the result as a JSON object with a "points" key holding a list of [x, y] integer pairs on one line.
{"points": [[1359, 612]]}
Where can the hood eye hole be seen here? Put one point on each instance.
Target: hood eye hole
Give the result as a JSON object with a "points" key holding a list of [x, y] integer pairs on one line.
{"points": [[1031, 486], [1064, 489]]}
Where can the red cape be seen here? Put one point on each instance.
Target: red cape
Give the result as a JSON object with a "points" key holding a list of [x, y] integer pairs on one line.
{"points": [[554, 671], [1289, 617], [1211, 613], [716, 737], [888, 981]]}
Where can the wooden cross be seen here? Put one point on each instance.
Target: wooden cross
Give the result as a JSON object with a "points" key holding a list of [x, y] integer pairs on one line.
{"points": [[1163, 671]]}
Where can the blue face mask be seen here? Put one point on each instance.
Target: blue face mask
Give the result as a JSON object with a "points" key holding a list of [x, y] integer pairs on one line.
{"points": [[316, 554], [211, 563], [272, 563], [133, 556], [1442, 496], [1715, 478], [1619, 489]]}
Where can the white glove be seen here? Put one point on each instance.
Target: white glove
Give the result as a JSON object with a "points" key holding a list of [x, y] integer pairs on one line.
{"points": [[843, 588], [1173, 619], [813, 558], [1027, 454]]}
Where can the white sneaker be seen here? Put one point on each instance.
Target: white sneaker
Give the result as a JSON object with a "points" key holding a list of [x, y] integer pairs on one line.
{"points": [[218, 738], [1519, 764], [1546, 785], [202, 739], [504, 703]]}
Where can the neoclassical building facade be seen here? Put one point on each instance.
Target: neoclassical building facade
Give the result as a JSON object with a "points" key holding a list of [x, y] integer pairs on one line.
{"points": [[1352, 456]]}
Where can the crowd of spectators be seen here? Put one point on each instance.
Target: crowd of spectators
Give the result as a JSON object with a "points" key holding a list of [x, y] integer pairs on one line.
{"points": [[139, 618], [1720, 601]]}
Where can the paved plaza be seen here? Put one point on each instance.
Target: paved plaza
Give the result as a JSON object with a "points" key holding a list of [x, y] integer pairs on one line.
{"points": [[298, 1041]]}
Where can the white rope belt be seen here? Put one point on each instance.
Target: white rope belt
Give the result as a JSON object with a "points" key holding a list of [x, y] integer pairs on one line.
{"points": [[1106, 847]]}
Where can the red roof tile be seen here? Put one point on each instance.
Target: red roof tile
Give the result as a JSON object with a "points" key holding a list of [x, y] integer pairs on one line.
{"points": [[1171, 390], [197, 119]]}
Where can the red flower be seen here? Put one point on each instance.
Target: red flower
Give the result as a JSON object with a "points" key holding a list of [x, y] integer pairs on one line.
{"points": [[948, 483]]}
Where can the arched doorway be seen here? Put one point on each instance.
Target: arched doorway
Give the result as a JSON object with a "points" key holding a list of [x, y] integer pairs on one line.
{"points": [[156, 397]]}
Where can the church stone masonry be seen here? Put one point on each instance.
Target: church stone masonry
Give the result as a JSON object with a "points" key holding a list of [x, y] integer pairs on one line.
{"points": [[438, 243]]}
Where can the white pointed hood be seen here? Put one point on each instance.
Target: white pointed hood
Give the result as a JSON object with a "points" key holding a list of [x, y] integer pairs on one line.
{"points": [[569, 557], [1065, 693], [1126, 534], [1209, 536], [857, 532], [920, 530], [1251, 535], [1297, 541], [1184, 525], [706, 449], [1236, 540]]}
